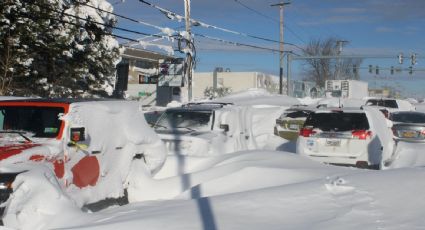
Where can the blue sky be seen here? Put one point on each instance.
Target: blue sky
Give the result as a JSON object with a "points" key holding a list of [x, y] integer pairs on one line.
{"points": [[373, 27]]}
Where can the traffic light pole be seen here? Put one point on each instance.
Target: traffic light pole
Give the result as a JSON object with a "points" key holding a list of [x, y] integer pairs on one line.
{"points": [[292, 57]]}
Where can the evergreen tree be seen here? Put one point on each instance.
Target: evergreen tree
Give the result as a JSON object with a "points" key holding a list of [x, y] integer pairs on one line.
{"points": [[58, 48]]}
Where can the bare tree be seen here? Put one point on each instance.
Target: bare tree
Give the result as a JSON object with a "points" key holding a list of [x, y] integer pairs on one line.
{"points": [[321, 69]]}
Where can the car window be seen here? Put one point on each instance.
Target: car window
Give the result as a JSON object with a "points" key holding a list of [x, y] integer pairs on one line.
{"points": [[338, 121], [42, 121], [408, 117], [384, 103], [184, 119]]}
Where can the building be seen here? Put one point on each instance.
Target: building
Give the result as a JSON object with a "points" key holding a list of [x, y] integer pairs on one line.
{"points": [[235, 81], [144, 75], [302, 89]]}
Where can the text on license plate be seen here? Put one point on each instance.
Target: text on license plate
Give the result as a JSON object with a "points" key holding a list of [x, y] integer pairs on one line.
{"points": [[330, 142], [409, 134], [293, 126]]}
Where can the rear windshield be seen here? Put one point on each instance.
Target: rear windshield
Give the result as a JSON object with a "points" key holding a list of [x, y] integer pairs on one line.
{"points": [[338, 121], [408, 117], [298, 114], [384, 103]]}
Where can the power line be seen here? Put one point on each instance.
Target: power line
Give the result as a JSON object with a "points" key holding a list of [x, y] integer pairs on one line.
{"points": [[257, 12], [235, 43], [172, 15], [142, 33], [270, 18], [162, 29]]}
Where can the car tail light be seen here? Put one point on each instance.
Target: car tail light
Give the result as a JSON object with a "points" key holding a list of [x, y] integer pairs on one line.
{"points": [[361, 134], [307, 132]]}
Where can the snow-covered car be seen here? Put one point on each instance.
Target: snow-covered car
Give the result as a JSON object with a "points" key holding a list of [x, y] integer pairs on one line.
{"points": [[350, 137], [204, 129], [189, 129], [86, 148], [290, 122], [391, 105], [408, 126]]}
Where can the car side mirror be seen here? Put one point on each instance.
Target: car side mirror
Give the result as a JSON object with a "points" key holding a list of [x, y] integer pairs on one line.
{"points": [[225, 127], [77, 134]]}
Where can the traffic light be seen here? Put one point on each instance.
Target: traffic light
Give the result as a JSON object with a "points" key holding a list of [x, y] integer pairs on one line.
{"points": [[413, 57], [377, 70], [410, 70], [392, 70], [354, 69], [400, 58], [370, 68]]}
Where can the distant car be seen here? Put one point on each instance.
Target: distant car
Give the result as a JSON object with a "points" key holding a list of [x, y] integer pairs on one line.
{"points": [[152, 116], [391, 105], [349, 137], [290, 122], [408, 126]]}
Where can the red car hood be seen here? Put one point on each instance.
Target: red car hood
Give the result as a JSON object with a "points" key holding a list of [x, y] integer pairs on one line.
{"points": [[8, 150]]}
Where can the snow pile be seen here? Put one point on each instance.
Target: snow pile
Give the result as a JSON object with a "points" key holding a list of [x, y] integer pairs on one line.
{"points": [[408, 155], [37, 200], [268, 190], [119, 141], [258, 97]]}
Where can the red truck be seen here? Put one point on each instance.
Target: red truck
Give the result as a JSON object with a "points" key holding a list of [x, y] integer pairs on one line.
{"points": [[88, 145]]}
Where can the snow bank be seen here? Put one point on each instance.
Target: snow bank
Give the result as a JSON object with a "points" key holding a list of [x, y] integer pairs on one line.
{"points": [[408, 155], [38, 199], [258, 97], [271, 190]]}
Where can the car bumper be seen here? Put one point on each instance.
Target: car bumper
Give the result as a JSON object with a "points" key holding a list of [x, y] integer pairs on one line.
{"points": [[357, 157]]}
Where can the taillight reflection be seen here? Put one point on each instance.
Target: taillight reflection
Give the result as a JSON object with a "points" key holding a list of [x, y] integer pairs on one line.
{"points": [[361, 134], [307, 132]]}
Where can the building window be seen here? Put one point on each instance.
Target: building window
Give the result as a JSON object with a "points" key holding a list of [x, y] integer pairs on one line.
{"points": [[145, 64], [146, 79]]}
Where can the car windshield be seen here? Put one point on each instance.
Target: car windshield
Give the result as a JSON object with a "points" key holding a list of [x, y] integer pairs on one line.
{"points": [[408, 117], [192, 120], [384, 103], [338, 121], [41, 121]]}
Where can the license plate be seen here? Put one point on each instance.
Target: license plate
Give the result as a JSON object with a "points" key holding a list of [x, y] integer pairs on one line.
{"points": [[409, 134], [293, 126], [333, 142]]}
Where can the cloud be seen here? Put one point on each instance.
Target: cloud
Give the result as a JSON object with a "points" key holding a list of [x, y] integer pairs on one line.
{"points": [[384, 29]]}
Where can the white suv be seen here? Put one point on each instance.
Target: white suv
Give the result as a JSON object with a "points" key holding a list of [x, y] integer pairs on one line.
{"points": [[350, 137]]}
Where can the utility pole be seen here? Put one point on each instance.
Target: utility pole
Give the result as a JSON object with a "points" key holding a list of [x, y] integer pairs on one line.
{"points": [[340, 45], [281, 6], [189, 60]]}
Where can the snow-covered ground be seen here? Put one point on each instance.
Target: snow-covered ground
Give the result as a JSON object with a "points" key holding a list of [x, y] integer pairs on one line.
{"points": [[267, 188]]}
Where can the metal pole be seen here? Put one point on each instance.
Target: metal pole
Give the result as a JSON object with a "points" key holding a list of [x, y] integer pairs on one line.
{"points": [[288, 73], [281, 6], [189, 45]]}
